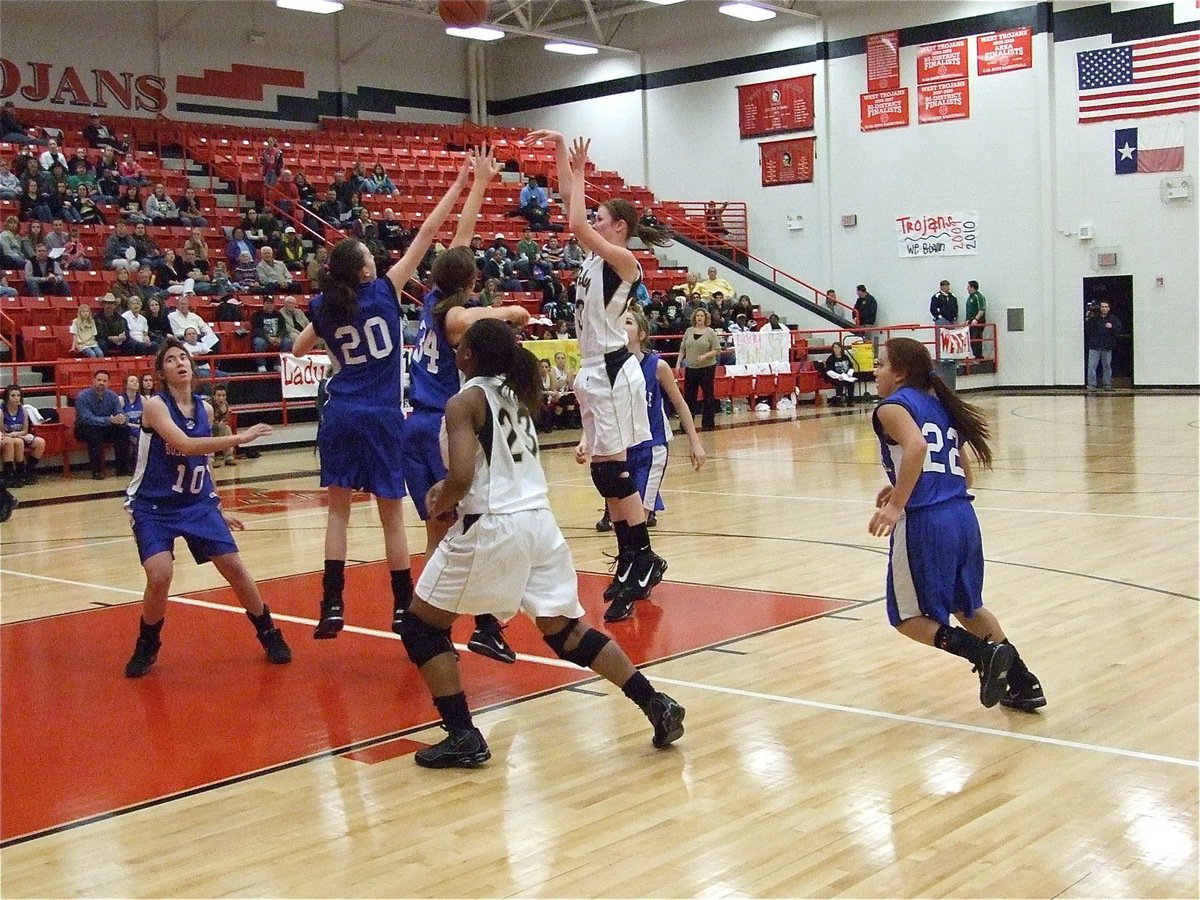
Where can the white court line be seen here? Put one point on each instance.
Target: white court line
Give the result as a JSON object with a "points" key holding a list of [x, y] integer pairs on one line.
{"points": [[737, 692], [937, 723]]}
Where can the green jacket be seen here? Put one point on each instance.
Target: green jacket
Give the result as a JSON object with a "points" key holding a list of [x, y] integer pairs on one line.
{"points": [[976, 305]]}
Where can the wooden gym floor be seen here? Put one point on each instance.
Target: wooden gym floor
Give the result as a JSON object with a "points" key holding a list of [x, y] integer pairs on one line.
{"points": [[824, 754]]}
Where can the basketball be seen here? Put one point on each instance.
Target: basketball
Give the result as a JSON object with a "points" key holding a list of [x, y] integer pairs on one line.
{"points": [[462, 13]]}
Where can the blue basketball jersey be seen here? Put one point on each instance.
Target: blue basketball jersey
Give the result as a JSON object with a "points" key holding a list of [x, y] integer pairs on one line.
{"points": [[660, 429], [133, 415], [367, 353], [943, 477], [14, 421], [434, 373], [167, 477]]}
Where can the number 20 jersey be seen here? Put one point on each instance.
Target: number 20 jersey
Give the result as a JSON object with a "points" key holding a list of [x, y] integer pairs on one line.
{"points": [[508, 474], [366, 353], [943, 478]]}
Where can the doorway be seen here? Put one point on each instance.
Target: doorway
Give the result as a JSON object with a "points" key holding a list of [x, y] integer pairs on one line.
{"points": [[1117, 292]]}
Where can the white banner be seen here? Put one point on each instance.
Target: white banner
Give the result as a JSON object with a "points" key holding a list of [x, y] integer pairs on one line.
{"points": [[941, 234], [761, 347], [954, 343], [299, 375]]}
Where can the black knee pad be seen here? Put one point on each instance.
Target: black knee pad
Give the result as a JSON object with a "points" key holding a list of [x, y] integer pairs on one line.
{"points": [[612, 479], [422, 641], [585, 652]]}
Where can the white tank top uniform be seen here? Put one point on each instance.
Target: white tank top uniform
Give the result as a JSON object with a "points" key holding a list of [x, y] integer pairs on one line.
{"points": [[610, 387], [505, 553]]}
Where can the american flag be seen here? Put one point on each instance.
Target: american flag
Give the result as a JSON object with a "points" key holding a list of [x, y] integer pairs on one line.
{"points": [[1155, 77]]}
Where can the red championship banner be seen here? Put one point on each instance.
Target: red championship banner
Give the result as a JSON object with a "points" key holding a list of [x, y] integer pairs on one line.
{"points": [[885, 109], [774, 107], [787, 162], [883, 61], [942, 61], [943, 101], [1003, 51]]}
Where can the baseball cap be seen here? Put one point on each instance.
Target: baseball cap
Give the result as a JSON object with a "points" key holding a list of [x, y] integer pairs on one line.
{"points": [[500, 237]]}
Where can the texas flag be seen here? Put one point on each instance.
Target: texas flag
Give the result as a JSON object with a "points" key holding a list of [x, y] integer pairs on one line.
{"points": [[1149, 148]]}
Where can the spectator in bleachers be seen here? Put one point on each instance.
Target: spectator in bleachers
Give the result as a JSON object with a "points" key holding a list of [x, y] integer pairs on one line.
{"points": [[739, 324], [838, 370], [75, 252], [333, 209], [392, 233], [112, 331], [288, 196], [83, 333], [58, 174], [56, 237], [6, 290], [157, 321], [147, 383], [12, 130], [543, 278], [291, 251], [498, 263], [230, 309], [358, 177], [195, 269], [710, 286], [306, 192], [866, 306], [108, 179], [272, 275], [147, 249], [142, 285], [80, 157], [294, 318], [183, 318], [35, 233], [221, 424], [490, 295], [220, 284], [10, 185], [43, 275], [479, 251], [342, 189], [131, 171], [535, 205], [358, 206], [98, 136], [129, 202], [99, 421], [81, 173], [197, 244], [714, 217], [116, 249], [192, 344], [527, 249], [361, 221], [745, 307], [35, 173], [253, 227], [52, 155], [12, 254], [270, 333], [237, 246], [170, 272], [161, 209], [131, 408], [831, 300], [698, 353], [689, 287], [140, 341], [379, 183], [374, 245], [123, 287], [563, 330], [245, 274], [33, 205], [773, 324], [318, 263], [272, 161], [61, 205], [85, 205], [28, 447], [553, 252]]}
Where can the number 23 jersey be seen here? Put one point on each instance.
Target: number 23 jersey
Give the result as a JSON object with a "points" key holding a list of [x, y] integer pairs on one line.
{"points": [[508, 474], [366, 353], [943, 477], [167, 477]]}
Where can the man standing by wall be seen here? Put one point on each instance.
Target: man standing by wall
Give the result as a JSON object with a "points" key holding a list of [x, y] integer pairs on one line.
{"points": [[1100, 336], [866, 306], [976, 316], [943, 306]]}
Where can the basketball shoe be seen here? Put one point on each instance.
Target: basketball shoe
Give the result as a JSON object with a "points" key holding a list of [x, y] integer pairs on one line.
{"points": [[667, 718], [1024, 694], [463, 748], [332, 621], [994, 663], [488, 640], [145, 652]]}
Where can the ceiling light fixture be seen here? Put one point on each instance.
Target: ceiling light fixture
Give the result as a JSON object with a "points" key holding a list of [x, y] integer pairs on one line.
{"points": [[476, 33], [747, 12], [324, 7], [570, 49]]}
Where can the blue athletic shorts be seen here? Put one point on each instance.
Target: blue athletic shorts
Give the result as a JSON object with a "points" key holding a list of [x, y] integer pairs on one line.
{"points": [[361, 448], [936, 564], [423, 467], [647, 463], [200, 524]]}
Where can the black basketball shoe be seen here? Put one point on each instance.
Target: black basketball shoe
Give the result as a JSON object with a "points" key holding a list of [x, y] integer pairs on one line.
{"points": [[277, 649], [145, 652], [994, 663], [623, 566], [332, 620], [463, 748], [667, 718], [488, 640], [1026, 697]]}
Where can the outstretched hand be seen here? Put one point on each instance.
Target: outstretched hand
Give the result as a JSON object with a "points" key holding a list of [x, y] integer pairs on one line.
{"points": [[484, 164], [262, 429], [545, 135], [578, 158]]}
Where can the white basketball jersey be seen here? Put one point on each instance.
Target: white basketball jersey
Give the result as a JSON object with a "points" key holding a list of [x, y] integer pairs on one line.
{"points": [[508, 474], [601, 299]]}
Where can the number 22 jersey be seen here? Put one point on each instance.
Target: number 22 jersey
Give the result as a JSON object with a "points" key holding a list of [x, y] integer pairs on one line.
{"points": [[943, 478]]}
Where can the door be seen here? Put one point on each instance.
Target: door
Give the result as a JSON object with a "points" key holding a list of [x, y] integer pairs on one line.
{"points": [[1117, 292]]}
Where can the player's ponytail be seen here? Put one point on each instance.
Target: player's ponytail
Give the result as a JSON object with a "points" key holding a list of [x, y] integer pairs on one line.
{"points": [[626, 212], [339, 283], [494, 345], [911, 361], [454, 274]]}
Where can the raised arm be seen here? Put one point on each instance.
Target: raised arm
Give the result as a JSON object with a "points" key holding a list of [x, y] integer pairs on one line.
{"points": [[616, 255], [156, 417], [401, 272], [486, 168], [559, 143]]}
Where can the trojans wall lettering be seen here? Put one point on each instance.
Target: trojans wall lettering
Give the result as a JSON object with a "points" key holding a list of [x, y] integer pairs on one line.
{"points": [[40, 82]]}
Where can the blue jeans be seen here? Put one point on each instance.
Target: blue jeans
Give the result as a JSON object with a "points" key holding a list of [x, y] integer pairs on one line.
{"points": [[1104, 358]]}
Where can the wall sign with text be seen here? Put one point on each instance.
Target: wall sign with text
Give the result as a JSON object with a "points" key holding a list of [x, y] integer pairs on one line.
{"points": [[942, 61], [944, 101], [941, 234], [1003, 51], [787, 162], [883, 109], [774, 107], [883, 61]]}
